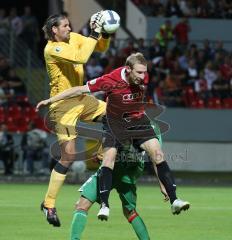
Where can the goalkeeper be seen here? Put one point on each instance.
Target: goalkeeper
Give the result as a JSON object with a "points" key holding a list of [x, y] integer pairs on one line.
{"points": [[65, 54], [128, 167]]}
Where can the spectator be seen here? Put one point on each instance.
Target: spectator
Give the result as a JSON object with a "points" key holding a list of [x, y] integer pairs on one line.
{"points": [[4, 23], [155, 50], [93, 69], [219, 48], [210, 74], [161, 71], [165, 34], [218, 59], [142, 48], [16, 23], [147, 8], [193, 51], [221, 87], [228, 6], [173, 85], [200, 87], [181, 32], [34, 148], [201, 59], [15, 84], [4, 66], [205, 9], [221, 7], [183, 60], [226, 68], [130, 48], [173, 9], [4, 29], [6, 149], [169, 59], [30, 31], [120, 58], [192, 73], [184, 8], [178, 73], [207, 50], [157, 8], [187, 8]]}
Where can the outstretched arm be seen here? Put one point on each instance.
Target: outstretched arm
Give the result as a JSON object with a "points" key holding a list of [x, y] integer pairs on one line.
{"points": [[72, 92]]}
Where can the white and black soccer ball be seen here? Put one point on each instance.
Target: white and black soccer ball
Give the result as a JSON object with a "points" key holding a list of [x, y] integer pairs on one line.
{"points": [[111, 21]]}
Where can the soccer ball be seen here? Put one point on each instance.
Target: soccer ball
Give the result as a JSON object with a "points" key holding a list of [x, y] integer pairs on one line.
{"points": [[111, 21]]}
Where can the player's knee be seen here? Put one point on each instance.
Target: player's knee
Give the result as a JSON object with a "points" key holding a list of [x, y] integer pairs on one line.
{"points": [[82, 205], [67, 160], [157, 156], [108, 162], [68, 153]]}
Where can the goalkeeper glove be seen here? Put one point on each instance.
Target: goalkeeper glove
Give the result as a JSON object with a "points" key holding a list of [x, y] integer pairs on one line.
{"points": [[96, 22]]}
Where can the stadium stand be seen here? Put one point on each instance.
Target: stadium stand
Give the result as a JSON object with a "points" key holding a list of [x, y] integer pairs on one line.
{"points": [[186, 8]]}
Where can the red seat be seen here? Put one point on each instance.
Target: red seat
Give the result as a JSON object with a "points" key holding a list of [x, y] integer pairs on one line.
{"points": [[189, 96], [30, 112], [22, 125], [15, 112], [214, 103], [11, 124], [40, 123], [22, 101], [2, 110], [198, 103], [227, 103]]}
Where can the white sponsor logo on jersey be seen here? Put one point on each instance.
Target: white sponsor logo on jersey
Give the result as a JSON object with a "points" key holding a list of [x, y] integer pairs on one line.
{"points": [[92, 82], [131, 96]]}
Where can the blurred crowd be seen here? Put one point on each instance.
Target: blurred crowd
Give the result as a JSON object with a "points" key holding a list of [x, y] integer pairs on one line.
{"points": [[24, 26], [29, 149], [186, 8], [182, 74], [11, 85]]}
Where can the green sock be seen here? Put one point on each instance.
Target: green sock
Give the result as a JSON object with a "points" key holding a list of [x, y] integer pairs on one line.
{"points": [[78, 224], [140, 228]]}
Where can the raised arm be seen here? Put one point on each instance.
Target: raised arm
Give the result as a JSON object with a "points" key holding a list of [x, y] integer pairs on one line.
{"points": [[72, 92], [64, 52]]}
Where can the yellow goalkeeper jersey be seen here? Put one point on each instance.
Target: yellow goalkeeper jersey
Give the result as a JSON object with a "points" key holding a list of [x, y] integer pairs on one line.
{"points": [[64, 61]]}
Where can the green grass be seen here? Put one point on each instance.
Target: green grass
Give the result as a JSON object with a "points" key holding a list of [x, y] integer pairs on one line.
{"points": [[209, 217]]}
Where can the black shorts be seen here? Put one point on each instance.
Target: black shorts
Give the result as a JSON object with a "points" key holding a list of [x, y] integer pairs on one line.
{"points": [[118, 133]]}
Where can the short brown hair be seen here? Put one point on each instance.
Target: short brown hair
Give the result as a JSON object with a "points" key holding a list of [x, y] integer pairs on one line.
{"points": [[135, 58], [53, 20]]}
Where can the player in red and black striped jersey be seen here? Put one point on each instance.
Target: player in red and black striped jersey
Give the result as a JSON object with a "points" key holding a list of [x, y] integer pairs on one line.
{"points": [[126, 123]]}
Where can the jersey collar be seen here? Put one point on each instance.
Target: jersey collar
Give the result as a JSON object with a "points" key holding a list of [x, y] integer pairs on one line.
{"points": [[123, 75]]}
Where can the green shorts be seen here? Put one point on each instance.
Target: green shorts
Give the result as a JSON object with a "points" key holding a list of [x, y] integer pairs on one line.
{"points": [[126, 191]]}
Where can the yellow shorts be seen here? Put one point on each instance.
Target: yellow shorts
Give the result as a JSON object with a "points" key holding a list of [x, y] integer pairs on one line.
{"points": [[63, 115]]}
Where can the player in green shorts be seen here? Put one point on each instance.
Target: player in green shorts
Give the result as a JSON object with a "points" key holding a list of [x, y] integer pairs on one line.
{"points": [[128, 167]]}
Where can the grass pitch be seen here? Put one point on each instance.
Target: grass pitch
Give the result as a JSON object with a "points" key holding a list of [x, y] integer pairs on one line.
{"points": [[209, 217]]}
